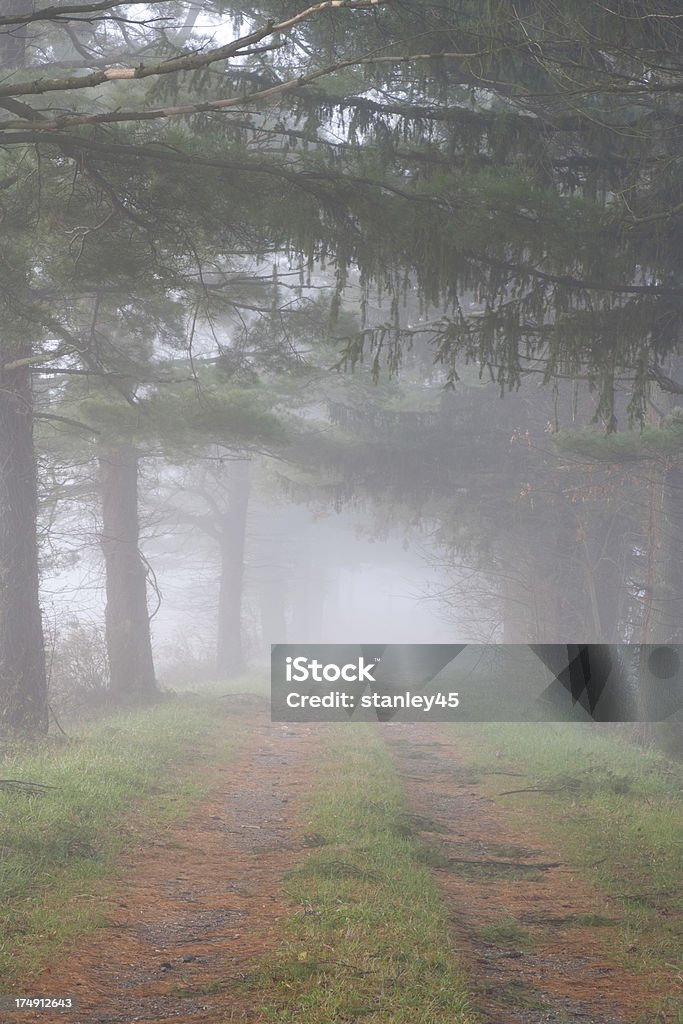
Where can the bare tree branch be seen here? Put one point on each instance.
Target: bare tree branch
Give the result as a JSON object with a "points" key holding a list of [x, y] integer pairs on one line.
{"points": [[60, 13], [186, 62]]}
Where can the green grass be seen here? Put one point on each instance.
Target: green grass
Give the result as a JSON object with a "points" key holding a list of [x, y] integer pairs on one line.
{"points": [[505, 932], [126, 774], [615, 815], [368, 939]]}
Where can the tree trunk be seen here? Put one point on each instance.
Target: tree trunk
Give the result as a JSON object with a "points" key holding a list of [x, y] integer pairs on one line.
{"points": [[230, 654], [23, 686], [129, 645], [663, 622], [609, 579], [272, 594]]}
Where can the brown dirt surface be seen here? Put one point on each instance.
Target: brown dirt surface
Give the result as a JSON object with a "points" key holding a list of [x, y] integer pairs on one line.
{"points": [[515, 908], [199, 903]]}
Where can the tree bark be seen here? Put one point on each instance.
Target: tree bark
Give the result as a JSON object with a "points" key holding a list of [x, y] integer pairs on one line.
{"points": [[129, 645], [23, 685], [230, 659], [663, 622], [273, 605]]}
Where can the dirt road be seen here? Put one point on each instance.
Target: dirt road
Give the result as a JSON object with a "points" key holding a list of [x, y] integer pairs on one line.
{"points": [[520, 917], [198, 905]]}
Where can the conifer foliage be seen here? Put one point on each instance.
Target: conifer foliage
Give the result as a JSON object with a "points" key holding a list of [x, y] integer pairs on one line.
{"points": [[516, 164]]}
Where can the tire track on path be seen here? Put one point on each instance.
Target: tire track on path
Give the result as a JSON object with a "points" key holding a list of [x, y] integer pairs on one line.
{"points": [[199, 902], [548, 969]]}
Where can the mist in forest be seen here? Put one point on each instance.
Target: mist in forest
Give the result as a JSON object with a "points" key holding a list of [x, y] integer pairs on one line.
{"points": [[341, 381], [397, 512], [290, 357], [315, 580]]}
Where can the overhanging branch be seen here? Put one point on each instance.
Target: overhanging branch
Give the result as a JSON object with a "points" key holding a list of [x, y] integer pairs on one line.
{"points": [[186, 62], [307, 181], [60, 13]]}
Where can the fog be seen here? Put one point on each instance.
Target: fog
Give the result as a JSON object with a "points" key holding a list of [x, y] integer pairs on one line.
{"points": [[341, 510], [389, 512], [336, 583], [387, 362]]}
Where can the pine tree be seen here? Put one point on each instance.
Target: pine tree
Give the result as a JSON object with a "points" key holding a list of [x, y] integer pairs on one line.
{"points": [[515, 165]]}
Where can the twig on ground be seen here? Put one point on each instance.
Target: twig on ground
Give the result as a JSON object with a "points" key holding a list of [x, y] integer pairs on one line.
{"points": [[23, 785], [535, 789], [542, 866]]}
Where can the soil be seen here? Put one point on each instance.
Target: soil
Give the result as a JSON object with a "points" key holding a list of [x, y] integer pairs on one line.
{"points": [[515, 909], [202, 902]]}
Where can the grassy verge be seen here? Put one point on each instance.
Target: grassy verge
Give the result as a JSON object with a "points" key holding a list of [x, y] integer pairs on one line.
{"points": [[613, 809], [126, 774], [370, 939]]}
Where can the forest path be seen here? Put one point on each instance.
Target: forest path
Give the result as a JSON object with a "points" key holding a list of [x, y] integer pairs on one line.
{"points": [[517, 913], [200, 902], [203, 903]]}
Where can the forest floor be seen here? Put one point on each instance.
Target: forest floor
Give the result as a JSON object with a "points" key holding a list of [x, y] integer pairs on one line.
{"points": [[253, 908]]}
